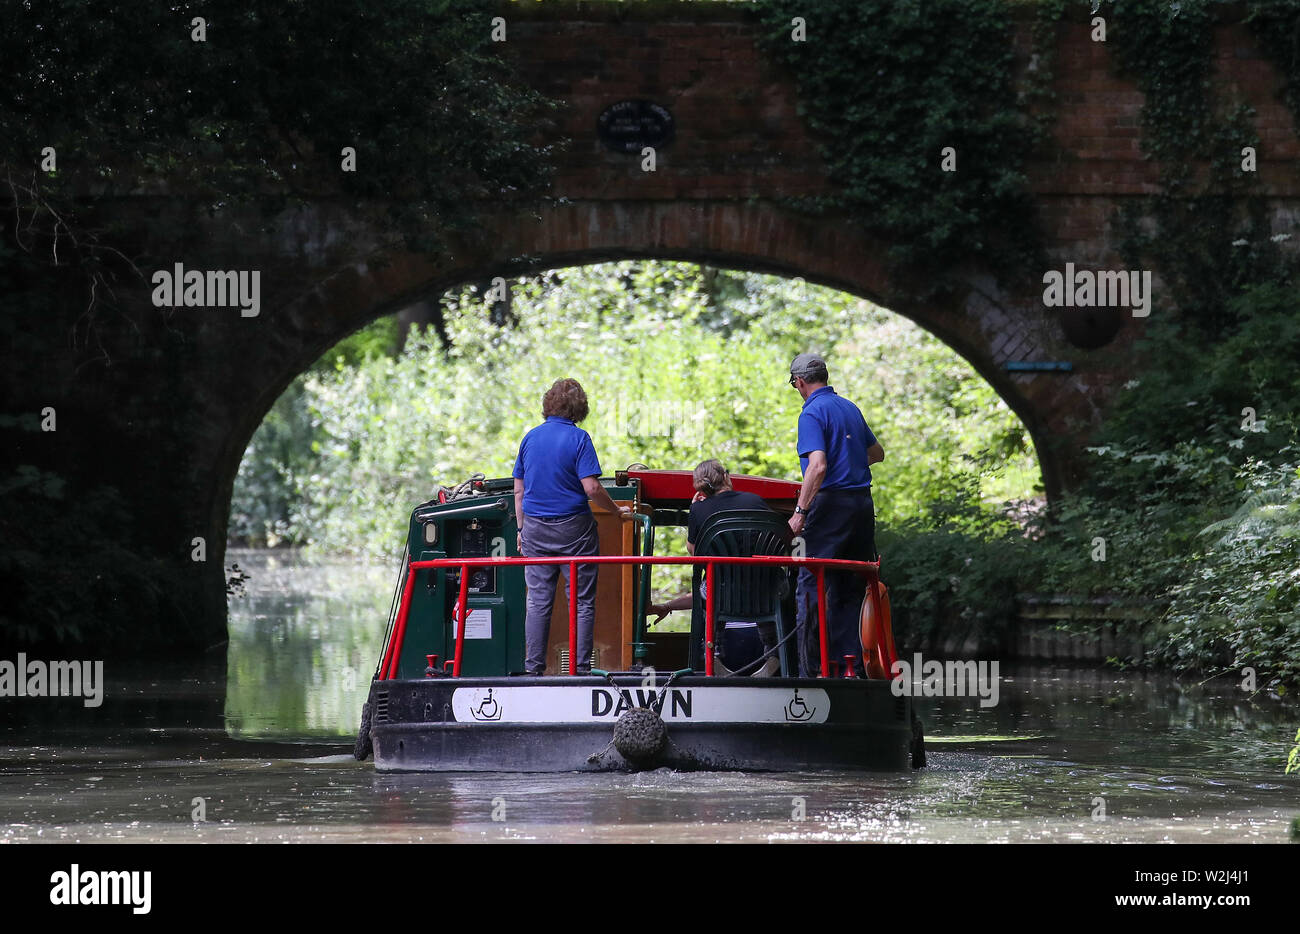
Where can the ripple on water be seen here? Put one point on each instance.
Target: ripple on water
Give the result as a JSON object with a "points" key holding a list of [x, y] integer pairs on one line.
{"points": [[1172, 762]]}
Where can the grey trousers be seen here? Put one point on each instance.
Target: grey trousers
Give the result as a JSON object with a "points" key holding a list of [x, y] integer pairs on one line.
{"points": [[567, 536]]}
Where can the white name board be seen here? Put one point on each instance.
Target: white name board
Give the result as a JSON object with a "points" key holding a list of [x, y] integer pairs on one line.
{"points": [[559, 704]]}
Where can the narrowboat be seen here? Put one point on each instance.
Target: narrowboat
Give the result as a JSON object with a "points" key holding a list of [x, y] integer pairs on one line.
{"points": [[449, 692]]}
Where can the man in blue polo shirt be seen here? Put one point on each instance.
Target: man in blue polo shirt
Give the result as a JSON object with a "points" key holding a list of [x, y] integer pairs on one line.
{"points": [[555, 474], [835, 514]]}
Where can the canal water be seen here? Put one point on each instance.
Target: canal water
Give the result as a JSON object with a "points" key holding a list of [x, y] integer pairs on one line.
{"points": [[255, 745]]}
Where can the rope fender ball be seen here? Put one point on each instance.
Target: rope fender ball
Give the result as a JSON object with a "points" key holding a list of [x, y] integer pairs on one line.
{"points": [[640, 735], [361, 752]]}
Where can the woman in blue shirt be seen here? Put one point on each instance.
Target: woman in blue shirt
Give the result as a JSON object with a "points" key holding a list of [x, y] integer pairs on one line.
{"points": [[555, 474]]}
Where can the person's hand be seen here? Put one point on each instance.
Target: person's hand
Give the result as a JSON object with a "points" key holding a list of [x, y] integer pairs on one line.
{"points": [[658, 611], [797, 522], [698, 497], [519, 541], [625, 510]]}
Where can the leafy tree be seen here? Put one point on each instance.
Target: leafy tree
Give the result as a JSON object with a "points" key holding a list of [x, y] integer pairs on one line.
{"points": [[680, 364]]}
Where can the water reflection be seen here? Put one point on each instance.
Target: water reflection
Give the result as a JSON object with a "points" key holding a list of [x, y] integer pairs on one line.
{"points": [[304, 641]]}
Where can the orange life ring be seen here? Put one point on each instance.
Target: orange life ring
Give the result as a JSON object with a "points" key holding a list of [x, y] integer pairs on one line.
{"points": [[877, 633]]}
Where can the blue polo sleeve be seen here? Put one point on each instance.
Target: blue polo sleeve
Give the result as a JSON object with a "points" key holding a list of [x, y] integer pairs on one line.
{"points": [[519, 459], [871, 437], [588, 465], [811, 436]]}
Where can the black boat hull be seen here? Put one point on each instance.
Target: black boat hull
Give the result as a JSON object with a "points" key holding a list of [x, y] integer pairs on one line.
{"points": [[562, 724]]}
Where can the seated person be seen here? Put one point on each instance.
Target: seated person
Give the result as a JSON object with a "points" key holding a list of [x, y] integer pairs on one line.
{"points": [[713, 494]]}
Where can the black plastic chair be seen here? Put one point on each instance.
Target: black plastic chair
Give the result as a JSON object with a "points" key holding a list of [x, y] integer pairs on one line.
{"points": [[749, 592]]}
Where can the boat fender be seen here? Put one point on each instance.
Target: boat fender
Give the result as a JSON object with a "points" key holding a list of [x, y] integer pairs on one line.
{"points": [[918, 742], [640, 735], [361, 752]]}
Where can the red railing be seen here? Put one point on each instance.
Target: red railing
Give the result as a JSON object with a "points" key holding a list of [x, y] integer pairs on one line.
{"points": [[388, 668]]}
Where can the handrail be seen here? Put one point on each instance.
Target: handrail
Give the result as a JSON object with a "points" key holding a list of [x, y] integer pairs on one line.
{"points": [[642, 599], [869, 569]]}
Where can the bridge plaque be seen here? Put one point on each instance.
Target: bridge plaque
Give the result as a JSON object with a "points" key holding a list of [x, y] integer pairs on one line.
{"points": [[630, 126]]}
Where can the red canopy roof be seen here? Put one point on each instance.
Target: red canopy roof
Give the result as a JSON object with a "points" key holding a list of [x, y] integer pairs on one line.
{"points": [[673, 489]]}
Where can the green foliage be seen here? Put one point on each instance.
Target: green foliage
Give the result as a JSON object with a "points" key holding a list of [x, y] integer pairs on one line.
{"points": [[1276, 26], [1194, 389], [1239, 604], [1168, 52], [889, 89], [1143, 541], [70, 568], [1192, 231], [680, 363], [1193, 492], [1195, 498], [379, 338], [953, 572], [1039, 94], [282, 448], [300, 645], [288, 442]]}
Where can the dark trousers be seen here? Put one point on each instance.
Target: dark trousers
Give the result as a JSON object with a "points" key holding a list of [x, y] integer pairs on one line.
{"points": [[840, 524], [566, 536]]}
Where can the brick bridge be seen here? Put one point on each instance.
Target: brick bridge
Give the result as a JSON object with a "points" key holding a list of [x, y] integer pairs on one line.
{"points": [[172, 436]]}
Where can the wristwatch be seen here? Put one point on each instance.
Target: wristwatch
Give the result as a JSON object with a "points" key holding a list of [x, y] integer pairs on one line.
{"points": [[799, 510]]}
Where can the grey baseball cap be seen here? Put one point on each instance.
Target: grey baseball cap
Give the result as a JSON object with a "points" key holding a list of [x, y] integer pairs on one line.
{"points": [[808, 365]]}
